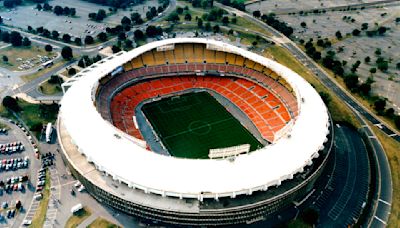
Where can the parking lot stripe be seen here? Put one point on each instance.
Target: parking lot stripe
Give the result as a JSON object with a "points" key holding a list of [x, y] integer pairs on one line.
{"points": [[380, 220]]}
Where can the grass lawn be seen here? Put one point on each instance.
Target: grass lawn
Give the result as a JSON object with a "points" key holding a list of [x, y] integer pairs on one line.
{"points": [[33, 114], [49, 89], [30, 77], [24, 53], [193, 123], [40, 215], [102, 223], [392, 152], [75, 220], [339, 111]]}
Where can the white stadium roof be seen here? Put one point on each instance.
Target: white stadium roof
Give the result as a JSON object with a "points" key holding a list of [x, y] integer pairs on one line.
{"points": [[123, 158]]}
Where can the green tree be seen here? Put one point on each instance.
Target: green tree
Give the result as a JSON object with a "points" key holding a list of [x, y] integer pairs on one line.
{"points": [[200, 23], [5, 58], [66, 53], [188, 17], [11, 104], [48, 48], [380, 105]]}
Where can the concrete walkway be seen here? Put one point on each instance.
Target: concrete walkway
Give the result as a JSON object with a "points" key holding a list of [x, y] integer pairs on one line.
{"points": [[88, 221]]}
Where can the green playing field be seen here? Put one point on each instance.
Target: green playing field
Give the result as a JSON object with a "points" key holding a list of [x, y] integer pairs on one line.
{"points": [[191, 124]]}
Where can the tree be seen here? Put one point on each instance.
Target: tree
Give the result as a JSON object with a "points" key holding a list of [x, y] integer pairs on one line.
{"points": [[48, 48], [126, 21], [303, 24], [92, 16], [46, 33], [179, 10], [58, 10], [81, 63], [72, 12], [136, 18], [383, 66], [30, 28], [398, 65], [382, 30], [200, 23], [78, 41], [367, 59], [356, 32], [207, 26], [174, 17], [1, 20], [5, 58], [8, 3], [71, 71], [101, 14], [11, 104], [66, 38], [338, 35], [139, 35], [122, 36], [26, 42], [115, 49], [397, 121], [188, 17], [55, 34], [364, 26], [102, 36], [225, 20], [128, 43], [151, 31], [257, 13], [47, 7], [66, 53], [351, 81], [216, 28], [380, 105], [15, 38], [372, 70], [89, 40], [234, 20]]}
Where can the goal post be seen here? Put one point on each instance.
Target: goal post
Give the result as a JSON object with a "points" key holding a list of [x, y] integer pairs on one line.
{"points": [[229, 151]]}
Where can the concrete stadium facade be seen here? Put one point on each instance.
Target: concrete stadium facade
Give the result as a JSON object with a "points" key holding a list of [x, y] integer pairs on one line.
{"points": [[289, 166]]}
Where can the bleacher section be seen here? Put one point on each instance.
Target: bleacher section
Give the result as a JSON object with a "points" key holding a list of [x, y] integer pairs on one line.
{"points": [[264, 109], [266, 98]]}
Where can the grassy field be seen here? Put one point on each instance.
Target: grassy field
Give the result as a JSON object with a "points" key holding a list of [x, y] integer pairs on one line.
{"points": [[102, 223], [33, 114], [392, 148], [75, 220], [49, 89], [30, 77], [20, 52], [40, 215], [191, 124], [339, 111]]}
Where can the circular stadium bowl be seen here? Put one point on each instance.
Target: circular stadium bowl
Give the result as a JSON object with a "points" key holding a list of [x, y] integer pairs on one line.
{"points": [[113, 159]]}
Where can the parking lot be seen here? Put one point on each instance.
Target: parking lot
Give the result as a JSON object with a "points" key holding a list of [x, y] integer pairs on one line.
{"points": [[77, 26], [18, 174]]}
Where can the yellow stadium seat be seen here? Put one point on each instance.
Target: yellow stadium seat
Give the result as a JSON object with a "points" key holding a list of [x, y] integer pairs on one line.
{"points": [[239, 60], [159, 57], [258, 67], [188, 52], [249, 63], [137, 62], [148, 58], [230, 58], [127, 66], [220, 57], [179, 58], [198, 53], [209, 56], [169, 56]]}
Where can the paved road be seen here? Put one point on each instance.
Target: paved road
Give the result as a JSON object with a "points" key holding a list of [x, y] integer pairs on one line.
{"points": [[384, 194]]}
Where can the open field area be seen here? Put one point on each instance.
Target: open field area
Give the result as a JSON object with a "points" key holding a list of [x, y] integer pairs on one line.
{"points": [[102, 223], [75, 26], [49, 89], [23, 58], [191, 124], [77, 219]]}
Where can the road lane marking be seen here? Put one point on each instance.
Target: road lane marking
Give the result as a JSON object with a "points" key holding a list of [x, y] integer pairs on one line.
{"points": [[380, 220], [385, 202]]}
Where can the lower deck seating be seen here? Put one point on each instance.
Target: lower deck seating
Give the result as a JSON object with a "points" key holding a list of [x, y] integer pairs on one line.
{"points": [[265, 110]]}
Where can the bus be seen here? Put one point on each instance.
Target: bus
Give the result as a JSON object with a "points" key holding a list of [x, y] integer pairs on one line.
{"points": [[49, 131]]}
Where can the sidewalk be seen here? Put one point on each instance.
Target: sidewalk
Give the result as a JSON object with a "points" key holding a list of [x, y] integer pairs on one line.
{"points": [[88, 221]]}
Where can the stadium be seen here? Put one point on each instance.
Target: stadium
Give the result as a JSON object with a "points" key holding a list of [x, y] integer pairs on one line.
{"points": [[192, 131]]}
